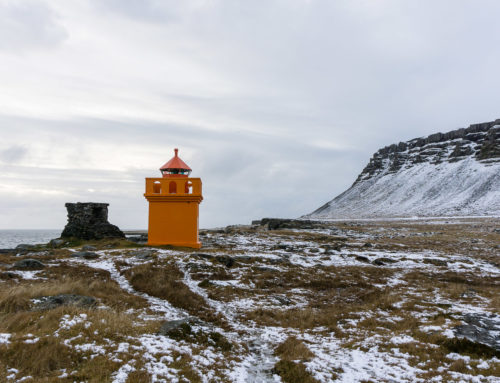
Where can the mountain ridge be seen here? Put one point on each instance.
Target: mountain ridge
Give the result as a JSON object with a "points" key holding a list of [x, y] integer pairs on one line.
{"points": [[443, 174]]}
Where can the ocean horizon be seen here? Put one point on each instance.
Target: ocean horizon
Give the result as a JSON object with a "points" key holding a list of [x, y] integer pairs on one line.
{"points": [[10, 238]]}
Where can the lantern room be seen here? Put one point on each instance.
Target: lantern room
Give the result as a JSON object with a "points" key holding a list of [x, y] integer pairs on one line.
{"points": [[175, 167]]}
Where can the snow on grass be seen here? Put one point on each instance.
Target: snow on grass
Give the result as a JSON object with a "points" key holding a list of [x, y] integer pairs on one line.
{"points": [[155, 304], [28, 274], [4, 338], [121, 375]]}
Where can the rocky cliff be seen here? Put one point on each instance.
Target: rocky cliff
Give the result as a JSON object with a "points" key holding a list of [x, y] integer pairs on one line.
{"points": [[444, 174]]}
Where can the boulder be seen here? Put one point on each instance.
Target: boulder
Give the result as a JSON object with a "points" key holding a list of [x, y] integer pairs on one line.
{"points": [[54, 301], [176, 329], [143, 254], [435, 262], [29, 264], [85, 254], [89, 221], [226, 260], [480, 328], [362, 258], [383, 261], [89, 248], [56, 242], [25, 246]]}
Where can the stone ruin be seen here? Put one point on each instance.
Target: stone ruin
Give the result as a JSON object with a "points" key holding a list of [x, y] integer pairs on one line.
{"points": [[89, 220]]}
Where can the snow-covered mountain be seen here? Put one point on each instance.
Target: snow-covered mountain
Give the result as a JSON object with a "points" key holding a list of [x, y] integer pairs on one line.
{"points": [[451, 174]]}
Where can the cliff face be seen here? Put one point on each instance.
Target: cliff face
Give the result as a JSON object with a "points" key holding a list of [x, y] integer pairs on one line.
{"points": [[454, 173]]}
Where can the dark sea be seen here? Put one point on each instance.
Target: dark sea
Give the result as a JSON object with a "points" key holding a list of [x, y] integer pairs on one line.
{"points": [[11, 238]]}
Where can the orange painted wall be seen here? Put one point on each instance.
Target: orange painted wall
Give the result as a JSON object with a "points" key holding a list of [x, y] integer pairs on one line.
{"points": [[173, 217]]}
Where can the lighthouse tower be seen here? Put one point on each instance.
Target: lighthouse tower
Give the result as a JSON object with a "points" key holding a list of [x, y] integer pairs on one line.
{"points": [[173, 205]]}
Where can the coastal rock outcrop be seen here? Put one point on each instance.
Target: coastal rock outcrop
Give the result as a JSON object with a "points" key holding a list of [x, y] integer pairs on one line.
{"points": [[89, 220], [445, 174]]}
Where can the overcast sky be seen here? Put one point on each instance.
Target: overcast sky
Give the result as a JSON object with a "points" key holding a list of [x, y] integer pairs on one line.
{"points": [[276, 104]]}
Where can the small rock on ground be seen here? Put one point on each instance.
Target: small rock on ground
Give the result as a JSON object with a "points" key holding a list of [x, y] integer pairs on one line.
{"points": [[29, 264]]}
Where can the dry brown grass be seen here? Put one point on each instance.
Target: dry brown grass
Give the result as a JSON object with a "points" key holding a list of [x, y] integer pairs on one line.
{"points": [[292, 372], [165, 281], [44, 358], [69, 280], [293, 349]]}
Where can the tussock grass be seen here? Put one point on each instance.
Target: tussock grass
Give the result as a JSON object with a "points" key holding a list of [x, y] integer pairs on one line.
{"points": [[293, 349], [292, 372]]}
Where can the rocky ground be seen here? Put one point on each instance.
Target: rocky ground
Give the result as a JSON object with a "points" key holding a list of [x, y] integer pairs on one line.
{"points": [[367, 301]]}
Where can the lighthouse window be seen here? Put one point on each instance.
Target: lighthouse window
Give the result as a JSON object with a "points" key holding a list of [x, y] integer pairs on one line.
{"points": [[157, 187], [172, 187]]}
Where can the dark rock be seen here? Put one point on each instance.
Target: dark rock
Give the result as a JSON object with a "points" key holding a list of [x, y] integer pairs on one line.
{"points": [[367, 244], [314, 250], [25, 246], [89, 221], [85, 254], [383, 261], [143, 254], [204, 283], [480, 328], [284, 223], [56, 243], [54, 301], [282, 300], [362, 258], [138, 238], [435, 262], [203, 255], [176, 328], [226, 260], [89, 248], [7, 251], [29, 264]]}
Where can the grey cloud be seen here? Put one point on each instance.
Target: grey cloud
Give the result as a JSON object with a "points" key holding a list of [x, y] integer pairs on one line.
{"points": [[28, 24], [159, 11], [13, 154]]}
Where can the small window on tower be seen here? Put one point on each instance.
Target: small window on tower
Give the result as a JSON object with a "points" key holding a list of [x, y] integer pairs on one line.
{"points": [[157, 187], [172, 187]]}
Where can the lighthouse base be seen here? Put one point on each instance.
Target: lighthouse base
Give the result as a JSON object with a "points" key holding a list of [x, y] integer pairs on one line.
{"points": [[194, 245]]}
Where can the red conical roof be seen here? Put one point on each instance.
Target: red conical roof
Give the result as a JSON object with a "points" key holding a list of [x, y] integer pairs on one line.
{"points": [[175, 163]]}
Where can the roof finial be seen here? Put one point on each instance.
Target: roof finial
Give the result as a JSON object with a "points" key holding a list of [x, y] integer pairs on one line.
{"points": [[176, 151]]}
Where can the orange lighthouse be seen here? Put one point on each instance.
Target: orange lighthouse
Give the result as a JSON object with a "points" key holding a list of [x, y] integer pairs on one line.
{"points": [[173, 205]]}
